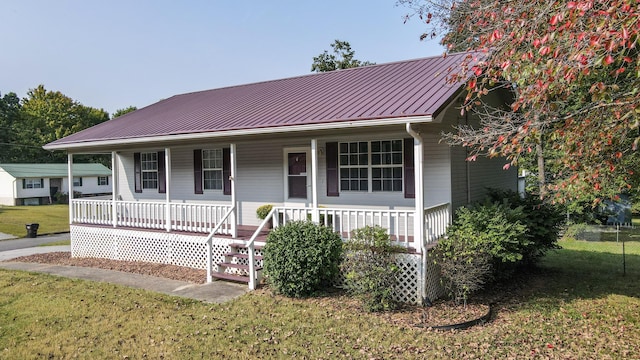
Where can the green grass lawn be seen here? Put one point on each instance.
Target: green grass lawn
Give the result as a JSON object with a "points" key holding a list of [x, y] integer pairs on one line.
{"points": [[52, 219], [576, 305]]}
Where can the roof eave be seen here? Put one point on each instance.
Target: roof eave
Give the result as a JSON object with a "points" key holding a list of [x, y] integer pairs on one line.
{"points": [[241, 132]]}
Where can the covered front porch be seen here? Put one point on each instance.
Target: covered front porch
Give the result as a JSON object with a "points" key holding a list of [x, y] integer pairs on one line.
{"points": [[198, 236], [165, 213]]}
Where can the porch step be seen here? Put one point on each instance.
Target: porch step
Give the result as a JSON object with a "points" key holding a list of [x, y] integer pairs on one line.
{"points": [[256, 246], [238, 266], [230, 277], [242, 256]]}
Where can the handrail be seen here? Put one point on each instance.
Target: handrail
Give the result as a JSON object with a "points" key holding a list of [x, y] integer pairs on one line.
{"points": [[250, 247], [210, 245], [436, 206]]}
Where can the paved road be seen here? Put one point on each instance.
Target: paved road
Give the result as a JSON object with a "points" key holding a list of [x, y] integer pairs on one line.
{"points": [[22, 243]]}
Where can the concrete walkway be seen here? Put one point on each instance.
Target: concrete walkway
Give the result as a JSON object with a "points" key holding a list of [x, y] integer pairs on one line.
{"points": [[214, 292], [4, 236]]}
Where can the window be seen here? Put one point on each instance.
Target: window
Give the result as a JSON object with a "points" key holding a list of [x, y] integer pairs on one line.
{"points": [[77, 181], [354, 169], [386, 165], [33, 183], [103, 180], [371, 166], [149, 167], [212, 169]]}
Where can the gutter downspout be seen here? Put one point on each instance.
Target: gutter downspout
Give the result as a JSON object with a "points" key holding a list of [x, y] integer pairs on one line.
{"points": [[418, 222]]}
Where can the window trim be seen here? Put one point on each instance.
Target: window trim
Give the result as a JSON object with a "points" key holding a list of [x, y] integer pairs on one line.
{"points": [[143, 171], [103, 183], [369, 166], [32, 182], [216, 169]]}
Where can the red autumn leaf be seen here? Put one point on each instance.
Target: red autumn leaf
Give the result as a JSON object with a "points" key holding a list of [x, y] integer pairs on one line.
{"points": [[608, 59], [544, 50]]}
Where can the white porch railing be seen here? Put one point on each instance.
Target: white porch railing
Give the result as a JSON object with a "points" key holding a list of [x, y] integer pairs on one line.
{"points": [[152, 215], [436, 220], [399, 223]]}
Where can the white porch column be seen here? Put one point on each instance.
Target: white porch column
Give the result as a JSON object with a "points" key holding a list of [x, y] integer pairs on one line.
{"points": [[167, 177], [418, 165], [418, 221], [114, 188], [314, 180], [234, 215], [70, 185]]}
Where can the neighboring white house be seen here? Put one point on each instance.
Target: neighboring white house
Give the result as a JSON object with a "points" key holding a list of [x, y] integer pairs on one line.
{"points": [[37, 184], [347, 148]]}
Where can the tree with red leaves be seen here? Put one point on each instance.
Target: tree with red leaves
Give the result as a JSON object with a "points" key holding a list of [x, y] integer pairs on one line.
{"points": [[574, 69]]}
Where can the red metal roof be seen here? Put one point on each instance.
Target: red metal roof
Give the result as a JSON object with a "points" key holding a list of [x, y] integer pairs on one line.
{"points": [[393, 90]]}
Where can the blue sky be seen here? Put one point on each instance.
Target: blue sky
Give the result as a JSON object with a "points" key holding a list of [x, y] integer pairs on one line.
{"points": [[113, 54]]}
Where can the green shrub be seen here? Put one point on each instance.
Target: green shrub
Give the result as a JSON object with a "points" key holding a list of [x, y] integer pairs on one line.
{"points": [[263, 211], [370, 268], [465, 263], [301, 258], [543, 221], [492, 229], [498, 226]]}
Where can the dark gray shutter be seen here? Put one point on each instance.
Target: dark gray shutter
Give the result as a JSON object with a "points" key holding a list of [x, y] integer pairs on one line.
{"points": [[333, 180], [409, 170], [137, 169], [162, 178], [226, 171], [24, 183], [197, 171]]}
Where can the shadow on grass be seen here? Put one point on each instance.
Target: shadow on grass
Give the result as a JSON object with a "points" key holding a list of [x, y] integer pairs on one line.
{"points": [[566, 275]]}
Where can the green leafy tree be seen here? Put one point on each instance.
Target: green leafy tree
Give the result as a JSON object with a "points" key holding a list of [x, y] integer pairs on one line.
{"points": [[9, 116], [50, 115], [573, 67], [121, 112], [342, 58]]}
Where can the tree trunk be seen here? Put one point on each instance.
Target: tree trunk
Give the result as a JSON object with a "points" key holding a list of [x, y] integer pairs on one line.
{"points": [[541, 180]]}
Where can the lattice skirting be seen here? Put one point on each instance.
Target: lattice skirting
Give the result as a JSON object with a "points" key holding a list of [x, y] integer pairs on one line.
{"points": [[411, 279], [433, 286], [191, 251], [148, 246]]}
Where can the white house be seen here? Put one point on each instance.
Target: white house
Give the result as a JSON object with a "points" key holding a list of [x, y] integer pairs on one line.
{"points": [[347, 148], [36, 184]]}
